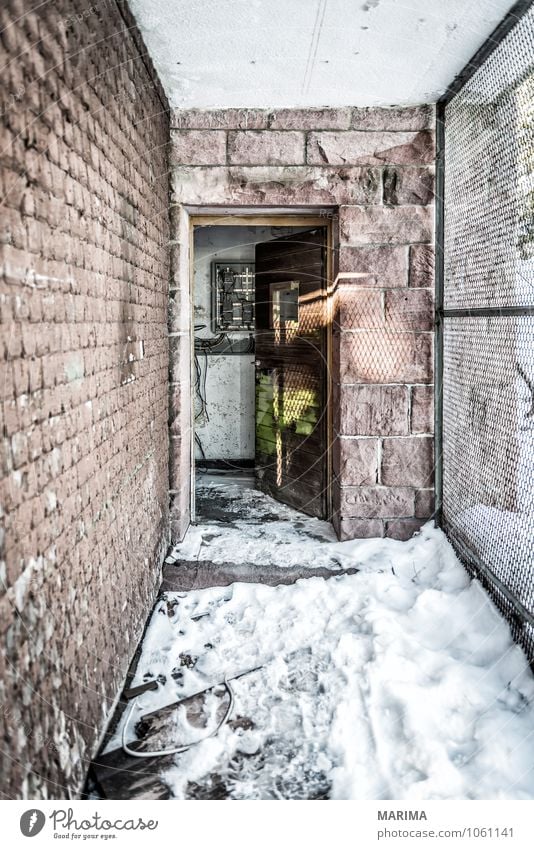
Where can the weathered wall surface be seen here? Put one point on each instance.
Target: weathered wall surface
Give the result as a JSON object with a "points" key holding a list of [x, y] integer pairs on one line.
{"points": [[372, 170], [84, 376]]}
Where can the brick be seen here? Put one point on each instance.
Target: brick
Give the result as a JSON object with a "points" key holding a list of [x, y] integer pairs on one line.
{"points": [[385, 356], [368, 148], [403, 529], [360, 529], [374, 410], [7, 381], [421, 266], [198, 147], [422, 409], [393, 118], [408, 186], [409, 309], [356, 461], [377, 502], [19, 450], [388, 225], [407, 460], [385, 266], [265, 148]]}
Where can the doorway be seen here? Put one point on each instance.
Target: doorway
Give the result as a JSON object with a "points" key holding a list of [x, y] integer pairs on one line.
{"points": [[261, 312]]}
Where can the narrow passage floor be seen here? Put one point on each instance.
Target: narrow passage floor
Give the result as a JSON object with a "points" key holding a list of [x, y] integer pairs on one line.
{"points": [[372, 669]]}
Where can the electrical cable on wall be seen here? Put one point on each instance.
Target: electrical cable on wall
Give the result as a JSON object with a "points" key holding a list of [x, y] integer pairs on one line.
{"points": [[232, 311], [214, 345]]}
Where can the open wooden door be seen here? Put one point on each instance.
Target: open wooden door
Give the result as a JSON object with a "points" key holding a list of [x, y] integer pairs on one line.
{"points": [[291, 371]]}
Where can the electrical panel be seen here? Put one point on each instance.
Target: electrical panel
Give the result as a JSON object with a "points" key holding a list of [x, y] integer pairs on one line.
{"points": [[233, 292]]}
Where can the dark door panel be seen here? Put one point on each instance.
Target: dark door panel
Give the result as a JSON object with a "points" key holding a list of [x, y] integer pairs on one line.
{"points": [[291, 373]]}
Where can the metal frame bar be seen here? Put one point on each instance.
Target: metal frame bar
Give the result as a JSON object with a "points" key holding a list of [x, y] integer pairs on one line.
{"points": [[439, 302], [486, 312], [471, 558]]}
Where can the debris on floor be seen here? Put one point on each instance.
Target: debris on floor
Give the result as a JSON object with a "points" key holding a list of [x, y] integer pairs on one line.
{"points": [[400, 681]]}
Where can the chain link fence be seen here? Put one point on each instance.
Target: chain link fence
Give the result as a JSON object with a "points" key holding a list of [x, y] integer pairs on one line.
{"points": [[485, 332]]}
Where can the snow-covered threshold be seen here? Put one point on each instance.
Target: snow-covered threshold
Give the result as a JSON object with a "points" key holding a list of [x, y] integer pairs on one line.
{"points": [[398, 682]]}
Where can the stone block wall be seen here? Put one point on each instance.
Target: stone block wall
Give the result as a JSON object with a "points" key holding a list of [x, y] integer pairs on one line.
{"points": [[370, 171], [83, 377], [383, 366]]}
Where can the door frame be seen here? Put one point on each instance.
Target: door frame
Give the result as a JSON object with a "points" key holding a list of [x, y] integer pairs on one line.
{"points": [[277, 217]]}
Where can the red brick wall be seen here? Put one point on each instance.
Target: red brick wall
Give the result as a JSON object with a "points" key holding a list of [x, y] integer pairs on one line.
{"points": [[84, 376], [372, 173]]}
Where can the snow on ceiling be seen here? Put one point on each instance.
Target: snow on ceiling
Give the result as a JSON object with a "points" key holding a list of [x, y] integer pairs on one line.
{"points": [[297, 53]]}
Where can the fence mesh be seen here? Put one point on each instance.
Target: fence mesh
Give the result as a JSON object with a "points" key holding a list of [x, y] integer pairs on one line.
{"points": [[488, 326]]}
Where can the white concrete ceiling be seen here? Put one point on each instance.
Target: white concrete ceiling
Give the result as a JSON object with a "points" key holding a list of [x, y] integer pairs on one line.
{"points": [[291, 53]]}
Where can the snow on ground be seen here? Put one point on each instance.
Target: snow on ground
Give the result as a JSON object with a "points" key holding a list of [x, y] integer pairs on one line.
{"points": [[398, 682], [256, 529]]}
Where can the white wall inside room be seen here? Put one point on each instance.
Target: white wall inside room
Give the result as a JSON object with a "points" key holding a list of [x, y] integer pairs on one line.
{"points": [[229, 433], [228, 381]]}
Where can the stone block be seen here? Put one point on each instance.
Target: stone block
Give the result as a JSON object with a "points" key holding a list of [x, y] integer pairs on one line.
{"points": [[220, 119], [403, 529], [385, 266], [360, 529], [422, 409], [385, 356], [179, 458], [374, 410], [376, 502], [179, 311], [292, 184], [179, 413], [268, 147], [310, 119], [180, 359], [396, 118], [370, 148], [357, 308], [424, 503], [407, 461], [409, 309], [356, 461], [386, 225], [278, 184], [408, 186], [179, 514], [421, 266], [198, 147]]}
